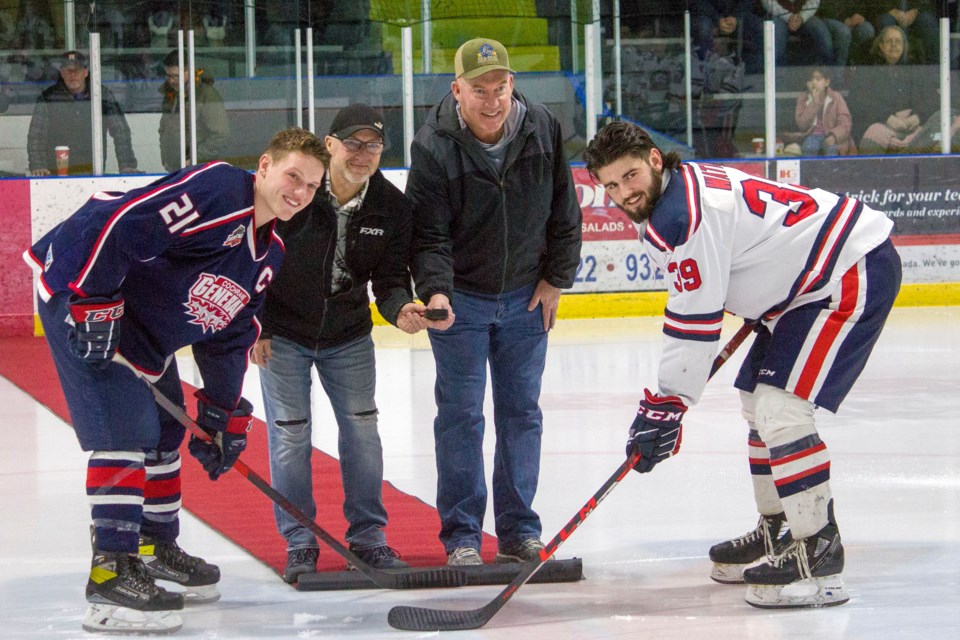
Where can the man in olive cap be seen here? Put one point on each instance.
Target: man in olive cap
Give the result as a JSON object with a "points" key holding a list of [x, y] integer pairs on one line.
{"points": [[497, 238]]}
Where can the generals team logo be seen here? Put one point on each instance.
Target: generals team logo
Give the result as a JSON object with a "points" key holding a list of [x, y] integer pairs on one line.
{"points": [[215, 301], [487, 54], [235, 237]]}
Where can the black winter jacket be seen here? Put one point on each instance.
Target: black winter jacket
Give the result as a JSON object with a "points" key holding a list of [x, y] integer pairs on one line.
{"points": [[59, 119], [486, 233], [299, 305]]}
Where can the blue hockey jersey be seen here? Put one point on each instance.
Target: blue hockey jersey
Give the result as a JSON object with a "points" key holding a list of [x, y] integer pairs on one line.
{"points": [[186, 256]]}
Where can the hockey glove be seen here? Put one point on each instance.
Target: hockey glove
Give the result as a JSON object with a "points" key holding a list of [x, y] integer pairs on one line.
{"points": [[656, 432], [227, 429], [95, 333]]}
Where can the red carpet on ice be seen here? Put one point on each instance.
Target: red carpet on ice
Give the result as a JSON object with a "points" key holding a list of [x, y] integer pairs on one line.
{"points": [[232, 505]]}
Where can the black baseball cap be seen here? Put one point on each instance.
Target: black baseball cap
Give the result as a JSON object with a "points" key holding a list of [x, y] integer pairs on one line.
{"points": [[73, 59], [353, 118]]}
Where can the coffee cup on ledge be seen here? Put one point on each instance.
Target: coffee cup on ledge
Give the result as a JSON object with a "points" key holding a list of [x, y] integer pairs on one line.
{"points": [[62, 155]]}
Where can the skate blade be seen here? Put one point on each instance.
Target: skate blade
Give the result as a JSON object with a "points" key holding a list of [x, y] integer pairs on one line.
{"points": [[110, 619], [727, 573], [828, 591], [200, 595]]}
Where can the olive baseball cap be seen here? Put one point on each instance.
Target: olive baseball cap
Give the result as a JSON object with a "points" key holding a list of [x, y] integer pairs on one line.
{"points": [[478, 56]]}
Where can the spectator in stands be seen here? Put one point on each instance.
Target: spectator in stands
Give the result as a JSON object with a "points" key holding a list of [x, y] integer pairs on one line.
{"points": [[34, 28], [890, 98], [213, 126], [918, 18], [823, 119], [61, 117], [799, 18], [848, 24], [927, 139], [731, 18], [497, 228]]}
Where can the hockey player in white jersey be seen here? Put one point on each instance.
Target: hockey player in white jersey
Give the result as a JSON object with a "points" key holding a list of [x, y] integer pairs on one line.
{"points": [[125, 282], [817, 274]]}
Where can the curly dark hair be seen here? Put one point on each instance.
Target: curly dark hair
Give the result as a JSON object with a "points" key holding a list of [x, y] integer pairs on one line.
{"points": [[618, 139]]}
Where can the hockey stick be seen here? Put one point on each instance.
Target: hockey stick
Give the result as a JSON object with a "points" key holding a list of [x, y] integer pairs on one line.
{"points": [[423, 619], [438, 577]]}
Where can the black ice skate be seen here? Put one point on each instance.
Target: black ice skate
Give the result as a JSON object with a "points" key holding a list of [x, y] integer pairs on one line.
{"points": [[124, 599], [730, 558], [167, 561], [806, 573]]}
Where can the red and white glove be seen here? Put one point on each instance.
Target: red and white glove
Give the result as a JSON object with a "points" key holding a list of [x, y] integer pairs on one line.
{"points": [[95, 334]]}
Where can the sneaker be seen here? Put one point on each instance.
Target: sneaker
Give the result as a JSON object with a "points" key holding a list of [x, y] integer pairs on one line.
{"points": [[730, 558], [806, 573], [523, 551], [382, 557], [118, 578], [299, 562], [167, 561], [464, 557]]}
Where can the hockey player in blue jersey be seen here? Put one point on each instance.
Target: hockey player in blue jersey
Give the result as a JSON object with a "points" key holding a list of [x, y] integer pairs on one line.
{"points": [[124, 283], [817, 273]]}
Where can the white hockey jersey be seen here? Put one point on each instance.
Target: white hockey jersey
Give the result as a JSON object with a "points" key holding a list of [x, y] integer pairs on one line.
{"points": [[727, 241]]}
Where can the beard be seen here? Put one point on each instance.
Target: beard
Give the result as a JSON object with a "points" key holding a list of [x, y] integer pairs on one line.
{"points": [[642, 213]]}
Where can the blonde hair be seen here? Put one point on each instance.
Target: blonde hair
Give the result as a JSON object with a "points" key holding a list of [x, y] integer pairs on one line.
{"points": [[300, 140]]}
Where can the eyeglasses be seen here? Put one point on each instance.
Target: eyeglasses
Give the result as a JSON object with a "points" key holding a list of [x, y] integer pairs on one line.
{"points": [[353, 145]]}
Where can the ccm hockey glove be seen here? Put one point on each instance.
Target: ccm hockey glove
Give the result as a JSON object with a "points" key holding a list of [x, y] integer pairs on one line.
{"points": [[227, 430], [656, 432], [95, 333]]}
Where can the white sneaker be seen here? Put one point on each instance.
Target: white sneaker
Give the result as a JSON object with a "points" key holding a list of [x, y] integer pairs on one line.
{"points": [[464, 557]]}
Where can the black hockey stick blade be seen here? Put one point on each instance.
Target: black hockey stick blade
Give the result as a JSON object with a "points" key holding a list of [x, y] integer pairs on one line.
{"points": [[434, 578], [422, 619]]}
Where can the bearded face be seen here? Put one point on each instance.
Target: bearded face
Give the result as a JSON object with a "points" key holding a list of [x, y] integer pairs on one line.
{"points": [[634, 184]]}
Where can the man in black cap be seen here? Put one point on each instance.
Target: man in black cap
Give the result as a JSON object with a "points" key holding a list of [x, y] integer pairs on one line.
{"points": [[62, 118], [357, 231]]}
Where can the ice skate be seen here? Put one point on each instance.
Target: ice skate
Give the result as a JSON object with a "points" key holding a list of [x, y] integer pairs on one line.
{"points": [[730, 558], [124, 599], [806, 573], [167, 561]]}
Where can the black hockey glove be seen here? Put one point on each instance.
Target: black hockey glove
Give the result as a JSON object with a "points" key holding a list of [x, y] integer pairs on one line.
{"points": [[95, 333], [656, 432], [227, 429]]}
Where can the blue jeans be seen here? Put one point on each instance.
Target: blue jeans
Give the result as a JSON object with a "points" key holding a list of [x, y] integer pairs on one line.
{"points": [[494, 329], [348, 375], [813, 144], [818, 43]]}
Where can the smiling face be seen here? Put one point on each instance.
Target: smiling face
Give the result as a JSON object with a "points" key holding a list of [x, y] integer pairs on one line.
{"points": [[634, 184], [285, 185], [354, 167], [485, 103]]}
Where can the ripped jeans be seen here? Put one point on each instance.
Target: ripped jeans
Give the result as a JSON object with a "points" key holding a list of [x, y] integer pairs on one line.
{"points": [[347, 373]]}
